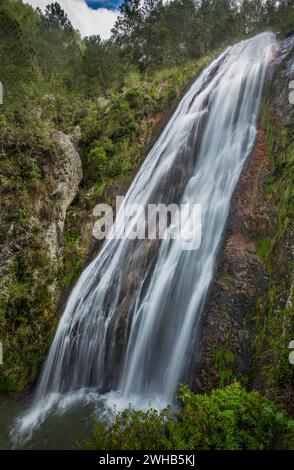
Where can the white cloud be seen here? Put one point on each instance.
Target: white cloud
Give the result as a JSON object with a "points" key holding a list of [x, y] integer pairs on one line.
{"points": [[83, 18]]}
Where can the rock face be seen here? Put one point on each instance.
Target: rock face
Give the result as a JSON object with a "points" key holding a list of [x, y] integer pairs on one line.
{"points": [[241, 278], [283, 106], [249, 320], [67, 174]]}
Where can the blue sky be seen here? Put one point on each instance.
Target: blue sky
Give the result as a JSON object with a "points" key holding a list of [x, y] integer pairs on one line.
{"points": [[88, 16], [109, 4]]}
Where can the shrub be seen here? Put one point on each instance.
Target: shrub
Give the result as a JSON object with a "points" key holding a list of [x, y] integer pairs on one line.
{"points": [[229, 418], [131, 430]]}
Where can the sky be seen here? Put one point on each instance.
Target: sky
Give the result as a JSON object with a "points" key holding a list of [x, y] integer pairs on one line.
{"points": [[88, 16], [109, 4]]}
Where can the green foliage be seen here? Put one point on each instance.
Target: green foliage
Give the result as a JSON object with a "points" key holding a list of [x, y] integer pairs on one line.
{"points": [[41, 53], [223, 359], [117, 127], [263, 248], [276, 319], [57, 17], [229, 418], [26, 318], [73, 258], [154, 33], [131, 430]]}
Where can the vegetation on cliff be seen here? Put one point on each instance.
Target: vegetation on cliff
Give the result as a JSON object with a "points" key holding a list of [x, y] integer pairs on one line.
{"points": [[275, 309]]}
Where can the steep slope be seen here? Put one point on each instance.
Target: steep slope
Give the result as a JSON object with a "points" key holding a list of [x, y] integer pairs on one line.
{"points": [[249, 320], [40, 176]]}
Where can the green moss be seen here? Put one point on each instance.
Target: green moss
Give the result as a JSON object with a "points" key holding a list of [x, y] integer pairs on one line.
{"points": [[264, 248], [27, 319], [276, 322], [227, 279], [223, 360], [73, 258], [27, 314]]}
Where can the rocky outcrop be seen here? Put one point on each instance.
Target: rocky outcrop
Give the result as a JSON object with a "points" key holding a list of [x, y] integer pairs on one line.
{"points": [[67, 174]]}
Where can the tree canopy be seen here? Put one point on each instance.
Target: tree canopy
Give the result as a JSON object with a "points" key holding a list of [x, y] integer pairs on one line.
{"points": [[149, 34]]}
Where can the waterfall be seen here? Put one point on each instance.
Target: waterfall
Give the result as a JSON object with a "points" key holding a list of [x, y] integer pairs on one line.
{"points": [[131, 318]]}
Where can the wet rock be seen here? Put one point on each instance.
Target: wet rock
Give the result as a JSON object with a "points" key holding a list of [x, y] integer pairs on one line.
{"points": [[233, 315], [282, 103]]}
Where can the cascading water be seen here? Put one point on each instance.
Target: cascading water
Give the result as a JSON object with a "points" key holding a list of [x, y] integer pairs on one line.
{"points": [[129, 321]]}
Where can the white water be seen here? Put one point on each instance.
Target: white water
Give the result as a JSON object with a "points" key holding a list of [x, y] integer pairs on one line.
{"points": [[131, 317]]}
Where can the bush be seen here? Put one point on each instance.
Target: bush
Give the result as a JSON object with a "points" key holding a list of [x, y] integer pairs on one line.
{"points": [[229, 418], [131, 430]]}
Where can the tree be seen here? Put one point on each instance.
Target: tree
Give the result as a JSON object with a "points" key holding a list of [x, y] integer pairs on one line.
{"points": [[252, 14], [154, 33], [16, 64], [56, 16], [284, 19], [221, 20]]}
